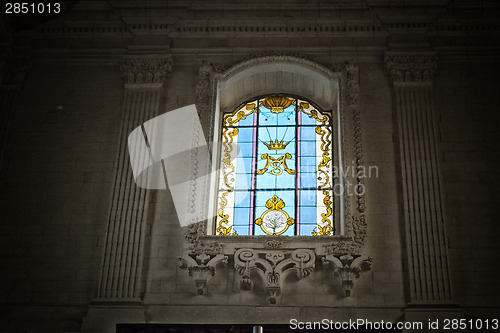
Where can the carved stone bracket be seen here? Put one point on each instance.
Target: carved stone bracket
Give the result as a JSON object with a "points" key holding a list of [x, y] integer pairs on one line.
{"points": [[272, 267], [201, 267], [347, 268], [145, 70]]}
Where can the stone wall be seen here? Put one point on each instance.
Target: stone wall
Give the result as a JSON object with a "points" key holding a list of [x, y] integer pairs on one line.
{"points": [[62, 148]]}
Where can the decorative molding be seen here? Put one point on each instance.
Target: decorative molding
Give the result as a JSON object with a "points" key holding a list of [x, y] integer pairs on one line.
{"points": [[351, 104], [272, 267], [348, 268], [202, 268], [273, 244], [140, 70], [411, 68], [224, 71]]}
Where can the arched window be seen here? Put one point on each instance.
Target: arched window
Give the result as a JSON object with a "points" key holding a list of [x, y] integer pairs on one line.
{"points": [[276, 169]]}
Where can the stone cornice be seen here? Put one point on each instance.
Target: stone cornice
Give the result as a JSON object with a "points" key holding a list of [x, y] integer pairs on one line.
{"points": [[411, 66], [145, 70]]}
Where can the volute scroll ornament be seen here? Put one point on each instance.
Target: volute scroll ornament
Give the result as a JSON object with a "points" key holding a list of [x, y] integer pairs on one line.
{"points": [[347, 268], [273, 267], [201, 268]]}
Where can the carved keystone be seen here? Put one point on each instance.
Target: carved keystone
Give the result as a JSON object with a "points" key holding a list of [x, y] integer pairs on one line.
{"points": [[273, 267], [201, 267], [347, 268]]}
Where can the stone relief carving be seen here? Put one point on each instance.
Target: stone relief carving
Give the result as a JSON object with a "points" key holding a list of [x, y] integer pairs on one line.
{"points": [[348, 268], [145, 70], [411, 68], [273, 259], [201, 267], [272, 267]]}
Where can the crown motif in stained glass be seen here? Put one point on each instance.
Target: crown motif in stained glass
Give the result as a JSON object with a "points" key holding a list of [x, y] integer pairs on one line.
{"points": [[276, 145], [277, 104]]}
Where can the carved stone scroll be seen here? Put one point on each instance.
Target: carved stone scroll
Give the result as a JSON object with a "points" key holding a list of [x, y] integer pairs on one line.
{"points": [[273, 267], [347, 268], [202, 268]]}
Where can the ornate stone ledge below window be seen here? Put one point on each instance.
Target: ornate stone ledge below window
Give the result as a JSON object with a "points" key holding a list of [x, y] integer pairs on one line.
{"points": [[270, 260]]}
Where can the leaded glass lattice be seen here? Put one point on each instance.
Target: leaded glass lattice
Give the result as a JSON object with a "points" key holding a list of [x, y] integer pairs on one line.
{"points": [[276, 169]]}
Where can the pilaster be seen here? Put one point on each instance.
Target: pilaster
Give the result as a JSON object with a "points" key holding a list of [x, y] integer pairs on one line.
{"points": [[120, 283], [412, 75]]}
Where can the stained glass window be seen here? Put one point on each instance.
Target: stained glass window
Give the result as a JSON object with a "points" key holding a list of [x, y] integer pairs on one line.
{"points": [[276, 169]]}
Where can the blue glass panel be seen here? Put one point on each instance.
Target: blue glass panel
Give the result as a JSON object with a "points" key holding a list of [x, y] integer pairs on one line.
{"points": [[248, 121], [244, 165], [241, 230], [242, 198], [266, 180], [308, 148], [285, 180], [241, 216], [307, 215], [245, 134], [308, 168], [308, 180], [243, 181], [304, 160], [305, 120], [308, 133], [267, 118], [261, 198], [259, 231], [307, 229], [245, 149], [289, 200], [287, 117], [308, 198]]}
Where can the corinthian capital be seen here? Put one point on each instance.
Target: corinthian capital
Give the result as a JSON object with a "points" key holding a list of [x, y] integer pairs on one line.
{"points": [[411, 67], [141, 70]]}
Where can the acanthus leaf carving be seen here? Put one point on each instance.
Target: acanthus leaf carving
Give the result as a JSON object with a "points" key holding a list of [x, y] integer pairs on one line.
{"points": [[138, 70], [411, 67]]}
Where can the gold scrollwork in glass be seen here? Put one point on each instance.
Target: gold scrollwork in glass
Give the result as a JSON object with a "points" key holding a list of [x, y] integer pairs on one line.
{"points": [[326, 229], [236, 116], [324, 165], [276, 165], [313, 113]]}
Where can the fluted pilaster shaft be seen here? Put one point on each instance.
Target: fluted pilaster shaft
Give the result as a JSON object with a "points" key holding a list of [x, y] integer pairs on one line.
{"points": [[122, 264], [412, 77]]}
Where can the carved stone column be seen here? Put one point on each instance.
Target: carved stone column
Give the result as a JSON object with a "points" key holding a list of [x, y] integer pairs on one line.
{"points": [[12, 76], [120, 281], [412, 77]]}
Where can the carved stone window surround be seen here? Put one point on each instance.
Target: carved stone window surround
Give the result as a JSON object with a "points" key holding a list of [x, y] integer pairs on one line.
{"points": [[343, 253]]}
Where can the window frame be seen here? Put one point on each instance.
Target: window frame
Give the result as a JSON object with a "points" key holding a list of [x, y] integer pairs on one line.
{"points": [[353, 237], [333, 115]]}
